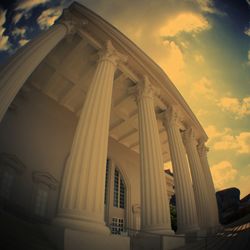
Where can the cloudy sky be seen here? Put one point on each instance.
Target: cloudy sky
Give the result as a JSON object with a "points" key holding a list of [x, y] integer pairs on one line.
{"points": [[203, 45]]}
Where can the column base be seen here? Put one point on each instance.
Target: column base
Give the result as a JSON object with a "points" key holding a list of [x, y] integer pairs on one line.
{"points": [[82, 225], [187, 229], [158, 230]]}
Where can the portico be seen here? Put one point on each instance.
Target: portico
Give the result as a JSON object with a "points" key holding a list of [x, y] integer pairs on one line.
{"points": [[118, 94]]}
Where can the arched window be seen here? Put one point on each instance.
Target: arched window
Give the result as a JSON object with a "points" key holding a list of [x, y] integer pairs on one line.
{"points": [[10, 167], [106, 182], [6, 184], [119, 190], [44, 182]]}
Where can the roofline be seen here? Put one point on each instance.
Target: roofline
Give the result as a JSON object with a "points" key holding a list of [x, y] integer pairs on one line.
{"points": [[157, 71]]}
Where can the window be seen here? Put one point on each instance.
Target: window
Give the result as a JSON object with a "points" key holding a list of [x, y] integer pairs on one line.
{"points": [[41, 202], [6, 184], [119, 190], [117, 225], [106, 182]]}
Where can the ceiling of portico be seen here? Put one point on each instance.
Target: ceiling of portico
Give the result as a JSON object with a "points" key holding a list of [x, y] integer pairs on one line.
{"points": [[65, 75]]}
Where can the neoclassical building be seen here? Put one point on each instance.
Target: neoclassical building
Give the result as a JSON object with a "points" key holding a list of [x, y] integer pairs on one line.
{"points": [[87, 122]]}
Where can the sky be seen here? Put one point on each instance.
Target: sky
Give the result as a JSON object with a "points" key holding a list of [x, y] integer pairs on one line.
{"points": [[203, 46]]}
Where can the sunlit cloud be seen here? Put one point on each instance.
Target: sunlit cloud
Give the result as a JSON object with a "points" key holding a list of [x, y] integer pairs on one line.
{"points": [[19, 32], [17, 17], [168, 165], [239, 143], [248, 57], [247, 31], [243, 185], [203, 88], [4, 40], [185, 22], [22, 42], [172, 61], [213, 132], [208, 6], [26, 5], [199, 58], [48, 17], [223, 174], [226, 140], [239, 108]]}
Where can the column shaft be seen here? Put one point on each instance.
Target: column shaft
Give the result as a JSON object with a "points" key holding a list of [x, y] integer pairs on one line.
{"points": [[187, 220], [199, 182], [155, 215], [202, 150], [81, 202], [23, 63]]}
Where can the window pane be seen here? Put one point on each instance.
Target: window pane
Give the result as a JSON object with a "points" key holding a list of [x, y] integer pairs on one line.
{"points": [[106, 182], [6, 184], [41, 202], [116, 188], [117, 225], [122, 193]]}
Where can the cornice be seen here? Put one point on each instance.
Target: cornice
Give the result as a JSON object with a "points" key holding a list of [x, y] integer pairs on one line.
{"points": [[145, 65]]}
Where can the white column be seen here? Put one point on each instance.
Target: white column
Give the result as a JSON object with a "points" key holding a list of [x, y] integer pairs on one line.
{"points": [[202, 150], [81, 202], [199, 182], [155, 214], [24, 62], [187, 220]]}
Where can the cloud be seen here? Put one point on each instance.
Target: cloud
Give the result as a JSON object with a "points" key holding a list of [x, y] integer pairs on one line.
{"points": [[239, 108], [19, 32], [223, 173], [225, 140], [48, 17], [17, 17], [204, 88], [199, 58], [184, 22], [22, 42], [243, 185], [26, 5], [208, 6], [4, 40], [240, 143], [168, 165], [248, 57], [173, 60], [247, 31], [213, 132]]}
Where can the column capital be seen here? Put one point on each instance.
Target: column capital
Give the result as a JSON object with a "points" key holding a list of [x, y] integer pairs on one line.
{"points": [[170, 116], [188, 136], [109, 53], [143, 89], [202, 149], [70, 22]]}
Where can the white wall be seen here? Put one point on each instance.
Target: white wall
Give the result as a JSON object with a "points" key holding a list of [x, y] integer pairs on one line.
{"points": [[40, 133]]}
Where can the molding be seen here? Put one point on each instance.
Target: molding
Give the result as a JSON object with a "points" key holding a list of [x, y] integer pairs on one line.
{"points": [[13, 162], [45, 178], [141, 61]]}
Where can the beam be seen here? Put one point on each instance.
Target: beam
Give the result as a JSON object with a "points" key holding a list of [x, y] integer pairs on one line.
{"points": [[124, 137]]}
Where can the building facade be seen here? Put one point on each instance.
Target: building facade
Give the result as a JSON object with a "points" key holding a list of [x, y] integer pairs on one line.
{"points": [[87, 123]]}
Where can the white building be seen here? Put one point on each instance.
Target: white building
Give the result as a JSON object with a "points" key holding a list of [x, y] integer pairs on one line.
{"points": [[88, 120]]}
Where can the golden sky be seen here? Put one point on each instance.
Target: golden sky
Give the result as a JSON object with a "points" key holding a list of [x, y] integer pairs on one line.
{"points": [[203, 46], [204, 50]]}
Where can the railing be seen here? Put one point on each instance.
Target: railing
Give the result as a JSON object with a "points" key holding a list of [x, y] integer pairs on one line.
{"points": [[237, 237]]}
